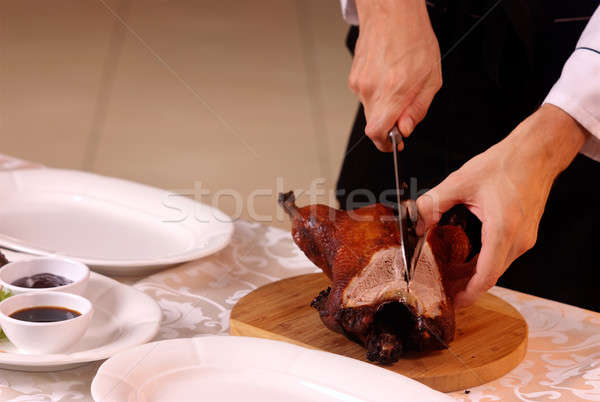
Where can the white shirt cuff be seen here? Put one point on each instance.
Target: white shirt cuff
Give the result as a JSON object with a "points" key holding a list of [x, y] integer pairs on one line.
{"points": [[577, 92]]}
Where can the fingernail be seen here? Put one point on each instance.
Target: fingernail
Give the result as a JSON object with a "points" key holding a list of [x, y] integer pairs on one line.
{"points": [[407, 125]]}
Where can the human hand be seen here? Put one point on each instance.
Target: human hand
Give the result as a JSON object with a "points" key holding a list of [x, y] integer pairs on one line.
{"points": [[396, 70], [506, 187]]}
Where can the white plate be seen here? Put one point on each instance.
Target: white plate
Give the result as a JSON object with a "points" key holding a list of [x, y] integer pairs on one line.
{"points": [[115, 226], [123, 318], [231, 368]]}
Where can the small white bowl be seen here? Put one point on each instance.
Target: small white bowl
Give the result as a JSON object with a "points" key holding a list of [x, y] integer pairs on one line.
{"points": [[45, 337], [75, 271]]}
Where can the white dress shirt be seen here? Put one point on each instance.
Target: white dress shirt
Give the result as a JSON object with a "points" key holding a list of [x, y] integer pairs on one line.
{"points": [[577, 91]]}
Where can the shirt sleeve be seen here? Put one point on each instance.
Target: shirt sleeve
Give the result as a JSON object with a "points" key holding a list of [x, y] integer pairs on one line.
{"points": [[577, 91], [349, 11]]}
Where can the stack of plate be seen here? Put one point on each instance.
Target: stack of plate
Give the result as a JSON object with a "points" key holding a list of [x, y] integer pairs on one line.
{"points": [[114, 226]]}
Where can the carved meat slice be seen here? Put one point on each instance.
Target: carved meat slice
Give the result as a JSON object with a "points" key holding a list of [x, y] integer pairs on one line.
{"points": [[369, 299]]}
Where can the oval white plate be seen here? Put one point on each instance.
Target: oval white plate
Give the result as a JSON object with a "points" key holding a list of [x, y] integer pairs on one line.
{"points": [[115, 226], [123, 318], [231, 368]]}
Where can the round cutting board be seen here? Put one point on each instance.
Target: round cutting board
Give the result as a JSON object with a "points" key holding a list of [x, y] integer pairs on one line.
{"points": [[490, 338]]}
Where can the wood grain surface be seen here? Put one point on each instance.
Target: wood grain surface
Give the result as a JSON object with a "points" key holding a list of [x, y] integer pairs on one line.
{"points": [[490, 340]]}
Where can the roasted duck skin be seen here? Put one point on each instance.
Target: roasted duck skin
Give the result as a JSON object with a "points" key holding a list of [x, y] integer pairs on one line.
{"points": [[370, 300]]}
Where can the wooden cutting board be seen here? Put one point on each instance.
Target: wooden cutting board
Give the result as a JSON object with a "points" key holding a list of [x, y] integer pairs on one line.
{"points": [[490, 340]]}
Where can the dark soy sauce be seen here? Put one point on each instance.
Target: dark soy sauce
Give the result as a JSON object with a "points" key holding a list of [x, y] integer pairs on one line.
{"points": [[43, 280], [44, 314]]}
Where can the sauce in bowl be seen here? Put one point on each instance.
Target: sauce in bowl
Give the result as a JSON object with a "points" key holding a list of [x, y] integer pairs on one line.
{"points": [[43, 280], [45, 314]]}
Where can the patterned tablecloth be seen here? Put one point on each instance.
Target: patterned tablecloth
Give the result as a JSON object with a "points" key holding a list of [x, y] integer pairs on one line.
{"points": [[562, 361]]}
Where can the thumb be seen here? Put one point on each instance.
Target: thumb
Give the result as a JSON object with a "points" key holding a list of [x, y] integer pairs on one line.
{"points": [[438, 200], [380, 119]]}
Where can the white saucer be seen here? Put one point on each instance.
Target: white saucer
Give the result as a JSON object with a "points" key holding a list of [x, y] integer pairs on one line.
{"points": [[123, 318], [231, 368], [114, 226]]}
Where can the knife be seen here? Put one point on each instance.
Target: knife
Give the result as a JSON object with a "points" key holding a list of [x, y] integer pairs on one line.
{"points": [[395, 137]]}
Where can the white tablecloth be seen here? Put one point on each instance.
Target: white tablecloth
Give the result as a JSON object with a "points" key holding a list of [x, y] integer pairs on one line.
{"points": [[562, 362]]}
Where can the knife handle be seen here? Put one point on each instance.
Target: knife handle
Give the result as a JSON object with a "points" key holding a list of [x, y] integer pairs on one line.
{"points": [[394, 134]]}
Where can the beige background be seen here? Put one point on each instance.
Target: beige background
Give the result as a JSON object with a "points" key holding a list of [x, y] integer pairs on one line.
{"points": [[229, 93]]}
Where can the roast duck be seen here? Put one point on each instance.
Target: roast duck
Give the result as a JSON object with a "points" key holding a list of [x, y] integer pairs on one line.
{"points": [[371, 300]]}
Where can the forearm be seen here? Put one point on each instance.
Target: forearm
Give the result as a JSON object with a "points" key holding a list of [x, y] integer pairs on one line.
{"points": [[551, 141], [411, 12], [507, 187]]}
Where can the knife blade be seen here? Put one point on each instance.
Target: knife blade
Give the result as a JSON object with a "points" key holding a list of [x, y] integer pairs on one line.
{"points": [[395, 136]]}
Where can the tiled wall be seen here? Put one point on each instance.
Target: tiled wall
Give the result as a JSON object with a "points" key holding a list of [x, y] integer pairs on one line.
{"points": [[229, 93]]}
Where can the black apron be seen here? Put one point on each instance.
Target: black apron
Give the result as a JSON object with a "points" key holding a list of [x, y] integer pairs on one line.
{"points": [[493, 80]]}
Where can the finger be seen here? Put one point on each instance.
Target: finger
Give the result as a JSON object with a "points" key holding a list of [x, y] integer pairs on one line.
{"points": [[438, 200], [379, 135], [456, 276], [490, 264], [382, 145], [388, 146], [415, 112], [381, 117], [406, 125]]}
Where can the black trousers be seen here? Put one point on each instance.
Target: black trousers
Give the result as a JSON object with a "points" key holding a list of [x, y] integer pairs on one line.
{"points": [[493, 80]]}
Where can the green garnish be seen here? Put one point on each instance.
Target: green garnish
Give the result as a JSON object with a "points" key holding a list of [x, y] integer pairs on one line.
{"points": [[4, 294]]}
